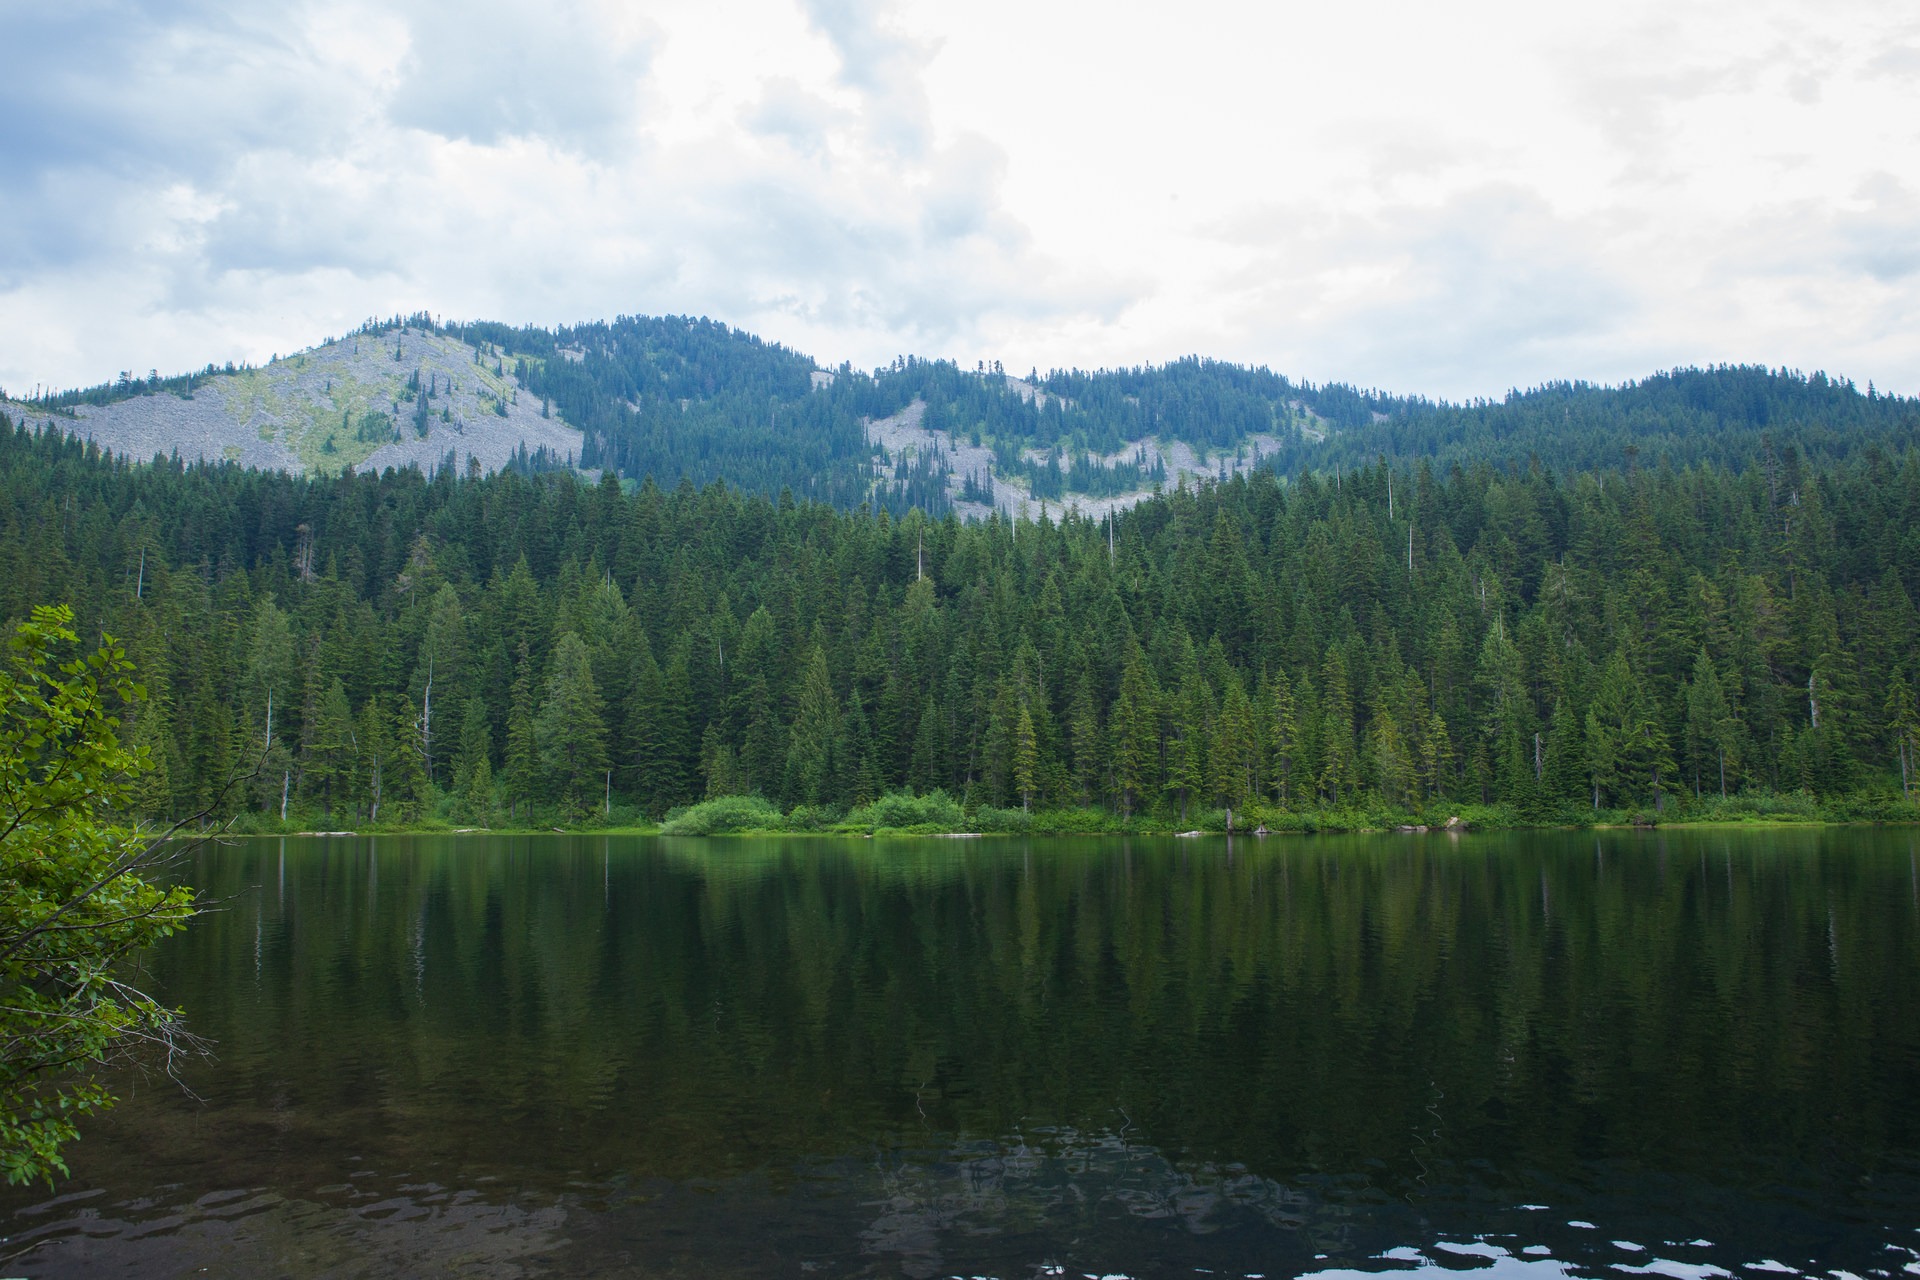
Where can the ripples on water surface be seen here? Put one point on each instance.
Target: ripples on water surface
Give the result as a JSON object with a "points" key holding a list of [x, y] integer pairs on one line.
{"points": [[1687, 1055]]}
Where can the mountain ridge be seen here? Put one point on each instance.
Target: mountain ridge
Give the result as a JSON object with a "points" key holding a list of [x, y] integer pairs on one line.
{"points": [[405, 397], [677, 397]]}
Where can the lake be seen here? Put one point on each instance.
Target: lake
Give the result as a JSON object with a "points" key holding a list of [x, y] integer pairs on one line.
{"points": [[1542, 1054]]}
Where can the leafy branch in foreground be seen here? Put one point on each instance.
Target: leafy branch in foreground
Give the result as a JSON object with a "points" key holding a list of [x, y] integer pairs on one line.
{"points": [[76, 897]]}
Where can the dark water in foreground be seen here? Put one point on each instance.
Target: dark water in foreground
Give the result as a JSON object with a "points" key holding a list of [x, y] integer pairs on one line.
{"points": [[1680, 1054]]}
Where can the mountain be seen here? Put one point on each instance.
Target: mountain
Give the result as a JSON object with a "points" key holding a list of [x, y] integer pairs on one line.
{"points": [[1732, 415], [396, 396], [675, 397]]}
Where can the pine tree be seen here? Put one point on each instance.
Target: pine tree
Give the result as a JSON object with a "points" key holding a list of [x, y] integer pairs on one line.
{"points": [[1710, 725], [1627, 750], [1339, 772], [473, 766], [1083, 735], [1133, 731], [330, 749], [152, 792], [1189, 722], [269, 680], [1393, 764], [1506, 719], [476, 799], [373, 739], [1436, 752], [996, 744], [521, 770], [570, 729], [675, 731], [1903, 726], [753, 712], [1283, 739], [1234, 749], [650, 757], [1186, 775], [856, 748], [1829, 762], [1025, 757], [816, 727], [926, 769], [1564, 780], [719, 766], [410, 791], [438, 678]]}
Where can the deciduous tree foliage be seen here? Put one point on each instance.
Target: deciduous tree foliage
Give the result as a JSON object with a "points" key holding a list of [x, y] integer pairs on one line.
{"points": [[75, 894]]}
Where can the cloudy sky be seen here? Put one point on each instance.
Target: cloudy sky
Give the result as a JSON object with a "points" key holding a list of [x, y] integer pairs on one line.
{"points": [[1450, 199]]}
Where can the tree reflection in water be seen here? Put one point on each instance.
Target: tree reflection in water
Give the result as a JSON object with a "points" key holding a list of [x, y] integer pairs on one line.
{"points": [[1143, 1057]]}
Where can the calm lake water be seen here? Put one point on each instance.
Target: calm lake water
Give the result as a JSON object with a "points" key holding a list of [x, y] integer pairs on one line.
{"points": [[1537, 1055]]}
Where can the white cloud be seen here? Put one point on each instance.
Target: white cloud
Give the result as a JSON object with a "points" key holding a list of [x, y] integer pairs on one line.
{"points": [[485, 70], [1427, 290], [1451, 200], [881, 63]]}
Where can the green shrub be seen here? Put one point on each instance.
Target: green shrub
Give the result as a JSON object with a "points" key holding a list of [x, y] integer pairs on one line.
{"points": [[1759, 803], [619, 815], [723, 814], [1487, 817], [812, 817], [901, 810], [1006, 821], [1075, 822]]}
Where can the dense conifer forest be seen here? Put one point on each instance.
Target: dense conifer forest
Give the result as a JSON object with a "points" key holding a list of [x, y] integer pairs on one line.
{"points": [[1387, 643]]}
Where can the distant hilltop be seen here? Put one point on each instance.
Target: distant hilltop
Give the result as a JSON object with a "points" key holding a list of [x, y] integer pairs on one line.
{"points": [[391, 397], [675, 398]]}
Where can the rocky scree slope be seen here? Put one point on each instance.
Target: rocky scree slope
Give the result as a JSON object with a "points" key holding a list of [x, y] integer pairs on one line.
{"points": [[401, 397]]}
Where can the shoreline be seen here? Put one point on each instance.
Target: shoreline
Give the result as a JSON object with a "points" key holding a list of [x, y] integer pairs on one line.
{"points": [[654, 829]]}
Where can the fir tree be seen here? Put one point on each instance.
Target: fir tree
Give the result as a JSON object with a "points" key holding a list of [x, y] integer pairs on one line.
{"points": [[570, 728], [1234, 749], [521, 770], [330, 750], [1025, 757], [1903, 727], [1283, 738], [1339, 771], [1709, 726], [816, 727]]}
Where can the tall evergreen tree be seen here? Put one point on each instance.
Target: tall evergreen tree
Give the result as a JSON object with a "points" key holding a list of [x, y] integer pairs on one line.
{"points": [[1025, 757], [1283, 739], [521, 768], [1903, 727], [570, 728], [811, 759], [1339, 771], [1627, 751], [1710, 726]]}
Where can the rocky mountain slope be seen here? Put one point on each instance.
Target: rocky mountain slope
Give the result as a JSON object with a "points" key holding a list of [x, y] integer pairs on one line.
{"points": [[904, 440], [406, 396], [680, 398]]}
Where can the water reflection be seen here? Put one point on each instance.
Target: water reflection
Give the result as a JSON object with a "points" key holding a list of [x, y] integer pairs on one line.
{"points": [[1678, 1055]]}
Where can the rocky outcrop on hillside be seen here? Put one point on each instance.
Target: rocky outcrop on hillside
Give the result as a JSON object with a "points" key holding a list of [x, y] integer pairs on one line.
{"points": [[906, 437], [393, 399]]}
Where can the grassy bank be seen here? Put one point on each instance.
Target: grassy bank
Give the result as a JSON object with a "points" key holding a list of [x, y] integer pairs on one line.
{"points": [[937, 813]]}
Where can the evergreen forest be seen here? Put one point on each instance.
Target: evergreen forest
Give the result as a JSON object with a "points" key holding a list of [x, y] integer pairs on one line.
{"points": [[673, 397], [1391, 643]]}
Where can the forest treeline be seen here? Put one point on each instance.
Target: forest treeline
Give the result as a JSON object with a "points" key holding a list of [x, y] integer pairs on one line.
{"points": [[677, 397], [501, 648]]}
